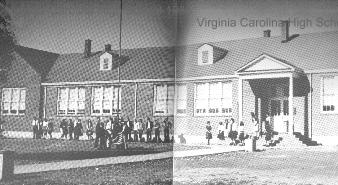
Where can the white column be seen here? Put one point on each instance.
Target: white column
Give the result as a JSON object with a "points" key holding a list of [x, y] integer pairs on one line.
{"points": [[135, 100], [240, 100], [44, 101], [291, 125]]}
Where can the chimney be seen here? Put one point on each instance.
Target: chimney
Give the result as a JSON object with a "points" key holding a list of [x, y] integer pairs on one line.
{"points": [[266, 33], [107, 47], [88, 47], [285, 30]]}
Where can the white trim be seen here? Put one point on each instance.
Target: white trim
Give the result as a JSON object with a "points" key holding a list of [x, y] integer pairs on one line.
{"points": [[113, 82], [266, 75], [314, 71], [217, 77], [259, 58]]}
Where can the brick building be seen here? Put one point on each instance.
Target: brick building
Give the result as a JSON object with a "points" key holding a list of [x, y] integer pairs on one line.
{"points": [[294, 78]]}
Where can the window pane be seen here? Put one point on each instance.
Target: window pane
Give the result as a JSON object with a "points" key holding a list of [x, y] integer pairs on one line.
{"points": [[328, 85], [6, 95], [97, 93], [22, 95], [97, 106], [181, 92], [202, 91], [171, 107], [73, 94], [216, 90], [14, 107], [107, 105], [63, 94], [108, 93], [62, 107], [227, 90], [205, 56], [15, 95], [81, 107], [6, 107], [82, 94]]}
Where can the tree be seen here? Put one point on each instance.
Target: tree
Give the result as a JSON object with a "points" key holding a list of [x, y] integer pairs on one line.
{"points": [[7, 37]]}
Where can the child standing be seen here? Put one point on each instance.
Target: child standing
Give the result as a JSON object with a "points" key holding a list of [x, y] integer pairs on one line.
{"points": [[208, 133], [50, 128]]}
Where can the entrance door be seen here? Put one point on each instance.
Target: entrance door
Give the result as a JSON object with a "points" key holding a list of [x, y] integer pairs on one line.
{"points": [[279, 111]]}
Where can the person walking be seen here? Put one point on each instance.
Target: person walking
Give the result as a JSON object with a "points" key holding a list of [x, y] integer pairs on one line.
{"points": [[166, 131], [89, 129], [64, 128], [50, 128], [78, 130], [208, 133], [140, 130], [44, 128], [135, 130], [221, 130], [35, 123], [149, 127], [71, 129], [157, 131]]}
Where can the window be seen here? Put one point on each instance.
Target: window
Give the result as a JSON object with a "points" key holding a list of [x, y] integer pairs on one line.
{"points": [[71, 101], [181, 99], [205, 56], [105, 64], [330, 94], [213, 99], [104, 100], [164, 100], [14, 101]]}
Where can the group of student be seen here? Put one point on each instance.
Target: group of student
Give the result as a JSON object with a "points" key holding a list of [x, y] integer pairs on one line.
{"points": [[107, 130], [228, 129], [41, 127], [117, 131]]}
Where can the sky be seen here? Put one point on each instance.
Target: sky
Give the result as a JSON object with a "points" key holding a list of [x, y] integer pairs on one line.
{"points": [[63, 25]]}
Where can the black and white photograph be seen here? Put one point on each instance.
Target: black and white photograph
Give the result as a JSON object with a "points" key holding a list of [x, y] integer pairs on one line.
{"points": [[233, 92]]}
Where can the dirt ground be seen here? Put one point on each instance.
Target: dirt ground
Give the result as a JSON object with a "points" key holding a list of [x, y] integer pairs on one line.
{"points": [[147, 172], [310, 166]]}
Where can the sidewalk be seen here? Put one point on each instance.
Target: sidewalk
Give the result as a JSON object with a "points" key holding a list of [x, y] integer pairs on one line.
{"points": [[33, 168]]}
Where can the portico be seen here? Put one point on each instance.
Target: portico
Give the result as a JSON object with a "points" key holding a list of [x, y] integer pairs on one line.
{"points": [[272, 83]]}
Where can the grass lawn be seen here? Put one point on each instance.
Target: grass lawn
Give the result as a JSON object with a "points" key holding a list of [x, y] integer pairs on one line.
{"points": [[30, 151], [310, 166]]}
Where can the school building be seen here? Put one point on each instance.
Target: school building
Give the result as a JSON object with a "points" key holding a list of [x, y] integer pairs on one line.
{"points": [[85, 86], [292, 77]]}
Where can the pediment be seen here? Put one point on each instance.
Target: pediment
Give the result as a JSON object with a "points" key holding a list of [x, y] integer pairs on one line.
{"points": [[266, 63]]}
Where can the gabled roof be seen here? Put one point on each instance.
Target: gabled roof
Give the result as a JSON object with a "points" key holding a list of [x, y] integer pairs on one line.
{"points": [[312, 51], [40, 61], [139, 63], [266, 63]]}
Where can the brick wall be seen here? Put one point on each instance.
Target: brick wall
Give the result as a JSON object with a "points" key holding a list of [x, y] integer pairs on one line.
{"points": [[22, 75], [322, 124]]}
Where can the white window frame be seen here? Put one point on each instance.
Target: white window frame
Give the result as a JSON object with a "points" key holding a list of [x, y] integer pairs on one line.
{"points": [[20, 101], [112, 100], [107, 59], [167, 100], [334, 96], [205, 48], [67, 100], [219, 111], [179, 98]]}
